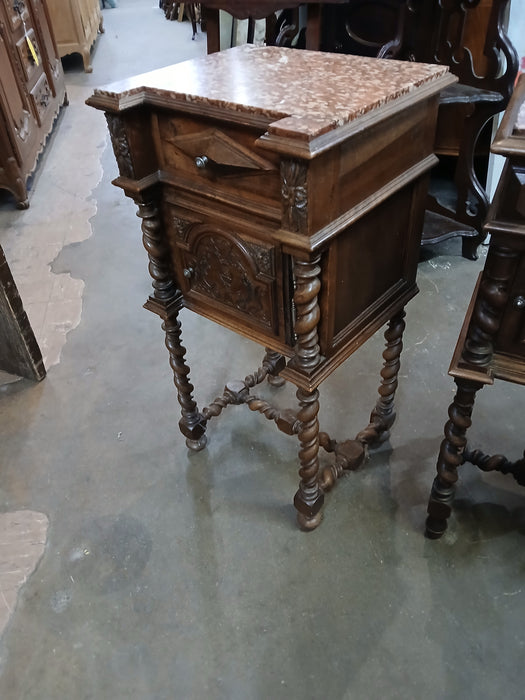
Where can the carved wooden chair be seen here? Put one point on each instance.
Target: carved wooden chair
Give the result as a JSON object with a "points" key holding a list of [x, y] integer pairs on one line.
{"points": [[376, 28], [469, 36]]}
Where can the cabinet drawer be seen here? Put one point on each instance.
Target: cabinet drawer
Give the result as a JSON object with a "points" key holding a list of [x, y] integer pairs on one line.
{"points": [[220, 162], [230, 276]]}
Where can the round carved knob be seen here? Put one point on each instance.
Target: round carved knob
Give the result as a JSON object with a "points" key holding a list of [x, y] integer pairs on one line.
{"points": [[519, 302], [201, 161], [188, 272]]}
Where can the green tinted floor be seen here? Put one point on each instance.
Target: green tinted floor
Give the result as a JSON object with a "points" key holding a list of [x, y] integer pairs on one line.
{"points": [[174, 576]]}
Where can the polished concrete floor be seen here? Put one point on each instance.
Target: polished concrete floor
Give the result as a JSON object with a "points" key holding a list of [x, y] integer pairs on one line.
{"points": [[170, 575]]}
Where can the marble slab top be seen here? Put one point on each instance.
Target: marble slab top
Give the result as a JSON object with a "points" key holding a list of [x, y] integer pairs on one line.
{"points": [[303, 94]]}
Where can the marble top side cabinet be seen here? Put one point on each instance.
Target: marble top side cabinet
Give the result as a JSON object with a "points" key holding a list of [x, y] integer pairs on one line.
{"points": [[282, 195], [32, 90]]}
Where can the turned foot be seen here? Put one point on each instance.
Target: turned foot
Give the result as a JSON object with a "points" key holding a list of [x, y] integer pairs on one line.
{"points": [[86, 60], [469, 247], [439, 509], [197, 445], [276, 381], [309, 523]]}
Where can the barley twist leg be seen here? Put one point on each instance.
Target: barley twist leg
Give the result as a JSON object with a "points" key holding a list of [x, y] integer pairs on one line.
{"points": [[450, 457]]}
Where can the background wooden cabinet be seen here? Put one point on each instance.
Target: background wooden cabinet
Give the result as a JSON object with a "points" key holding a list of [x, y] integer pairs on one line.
{"points": [[76, 24], [31, 90]]}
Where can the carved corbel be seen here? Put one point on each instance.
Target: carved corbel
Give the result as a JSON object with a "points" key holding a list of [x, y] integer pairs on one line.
{"points": [[119, 141]]}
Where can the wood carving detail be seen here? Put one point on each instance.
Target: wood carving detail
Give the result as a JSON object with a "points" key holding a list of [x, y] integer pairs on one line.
{"points": [[224, 270], [16, 64], [22, 128], [182, 228], [294, 194], [42, 98], [492, 299], [26, 56], [119, 141], [19, 6], [262, 257]]}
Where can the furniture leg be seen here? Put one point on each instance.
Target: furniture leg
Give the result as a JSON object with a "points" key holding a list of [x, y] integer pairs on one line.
{"points": [[213, 32], [313, 27], [309, 498], [497, 463], [19, 190], [86, 60], [472, 199], [192, 425], [251, 31], [451, 456], [349, 455], [383, 415], [166, 302], [193, 18], [476, 357], [277, 362]]}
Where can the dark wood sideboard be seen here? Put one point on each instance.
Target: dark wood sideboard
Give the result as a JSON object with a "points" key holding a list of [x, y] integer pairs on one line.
{"points": [[32, 90], [492, 341], [292, 217]]}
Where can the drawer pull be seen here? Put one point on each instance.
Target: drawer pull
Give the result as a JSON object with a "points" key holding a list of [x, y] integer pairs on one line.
{"points": [[201, 161], [188, 272], [519, 302]]}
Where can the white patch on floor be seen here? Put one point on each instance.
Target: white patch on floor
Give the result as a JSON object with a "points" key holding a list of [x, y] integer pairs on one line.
{"points": [[61, 207], [23, 537]]}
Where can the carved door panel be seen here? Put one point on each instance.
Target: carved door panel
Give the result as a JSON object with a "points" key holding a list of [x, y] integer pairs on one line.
{"points": [[16, 12], [221, 163], [231, 278], [511, 336], [14, 99], [53, 65]]}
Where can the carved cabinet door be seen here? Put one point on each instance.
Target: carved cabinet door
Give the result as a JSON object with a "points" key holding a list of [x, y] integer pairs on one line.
{"points": [[18, 71], [232, 278]]}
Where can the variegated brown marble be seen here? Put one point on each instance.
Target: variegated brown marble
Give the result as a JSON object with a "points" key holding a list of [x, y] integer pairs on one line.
{"points": [[303, 94]]}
